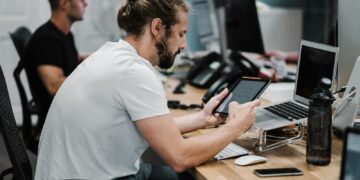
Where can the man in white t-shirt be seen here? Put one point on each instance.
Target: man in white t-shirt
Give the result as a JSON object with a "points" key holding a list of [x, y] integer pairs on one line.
{"points": [[113, 106]]}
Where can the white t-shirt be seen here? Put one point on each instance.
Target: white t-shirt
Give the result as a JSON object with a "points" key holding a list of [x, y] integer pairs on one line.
{"points": [[89, 131]]}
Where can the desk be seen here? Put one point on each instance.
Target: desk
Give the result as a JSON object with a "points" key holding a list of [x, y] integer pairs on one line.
{"points": [[285, 156]]}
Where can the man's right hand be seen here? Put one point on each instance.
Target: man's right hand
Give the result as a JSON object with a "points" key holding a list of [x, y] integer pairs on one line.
{"points": [[242, 116]]}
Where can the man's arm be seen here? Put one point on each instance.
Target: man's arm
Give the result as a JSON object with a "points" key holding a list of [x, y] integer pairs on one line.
{"points": [[52, 77], [165, 138]]}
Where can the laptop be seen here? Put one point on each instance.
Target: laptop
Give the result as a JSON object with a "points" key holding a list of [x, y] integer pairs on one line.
{"points": [[350, 161], [315, 62]]}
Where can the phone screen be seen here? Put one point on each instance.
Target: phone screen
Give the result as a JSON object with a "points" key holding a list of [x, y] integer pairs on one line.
{"points": [[278, 172], [242, 91]]}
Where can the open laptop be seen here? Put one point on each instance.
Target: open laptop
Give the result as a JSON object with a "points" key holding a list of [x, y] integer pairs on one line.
{"points": [[350, 161], [315, 62]]}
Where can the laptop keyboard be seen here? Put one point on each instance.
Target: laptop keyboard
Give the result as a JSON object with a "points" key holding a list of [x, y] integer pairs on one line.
{"points": [[288, 110], [231, 150]]}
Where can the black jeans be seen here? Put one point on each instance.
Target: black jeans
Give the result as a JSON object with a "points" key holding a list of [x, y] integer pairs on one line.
{"points": [[149, 171]]}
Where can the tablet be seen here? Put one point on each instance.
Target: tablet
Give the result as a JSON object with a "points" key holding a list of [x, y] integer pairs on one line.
{"points": [[244, 90]]}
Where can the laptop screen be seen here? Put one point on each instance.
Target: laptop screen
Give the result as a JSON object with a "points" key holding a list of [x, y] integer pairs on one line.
{"points": [[315, 62], [351, 155]]}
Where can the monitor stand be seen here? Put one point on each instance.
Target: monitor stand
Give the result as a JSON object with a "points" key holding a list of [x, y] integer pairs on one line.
{"points": [[262, 143]]}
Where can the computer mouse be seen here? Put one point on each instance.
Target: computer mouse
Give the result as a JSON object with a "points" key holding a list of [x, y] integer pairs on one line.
{"points": [[249, 159]]}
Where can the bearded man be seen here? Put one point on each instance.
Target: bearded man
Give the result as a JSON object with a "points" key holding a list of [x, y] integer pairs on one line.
{"points": [[113, 106]]}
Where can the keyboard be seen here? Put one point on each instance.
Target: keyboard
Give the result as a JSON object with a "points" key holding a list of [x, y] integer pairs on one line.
{"points": [[231, 150], [288, 110]]}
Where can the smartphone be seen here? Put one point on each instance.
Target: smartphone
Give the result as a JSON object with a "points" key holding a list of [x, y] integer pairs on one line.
{"points": [[291, 171], [244, 90]]}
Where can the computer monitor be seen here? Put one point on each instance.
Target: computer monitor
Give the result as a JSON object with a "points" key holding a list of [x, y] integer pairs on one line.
{"points": [[350, 155], [242, 26], [203, 16], [349, 38]]}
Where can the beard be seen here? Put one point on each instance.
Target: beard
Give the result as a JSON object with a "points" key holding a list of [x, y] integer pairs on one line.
{"points": [[75, 18], [166, 58]]}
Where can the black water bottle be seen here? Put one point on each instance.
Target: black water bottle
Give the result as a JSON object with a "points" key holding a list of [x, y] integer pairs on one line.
{"points": [[318, 145]]}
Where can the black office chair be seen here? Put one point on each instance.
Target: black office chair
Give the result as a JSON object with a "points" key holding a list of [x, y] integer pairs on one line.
{"points": [[20, 38], [21, 169]]}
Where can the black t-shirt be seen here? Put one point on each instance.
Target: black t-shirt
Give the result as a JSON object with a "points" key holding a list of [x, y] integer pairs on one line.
{"points": [[48, 46]]}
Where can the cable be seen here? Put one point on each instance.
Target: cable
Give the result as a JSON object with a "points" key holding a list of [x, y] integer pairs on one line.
{"points": [[175, 104], [342, 100], [342, 89]]}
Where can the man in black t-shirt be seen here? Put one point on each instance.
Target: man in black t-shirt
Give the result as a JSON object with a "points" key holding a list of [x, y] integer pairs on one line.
{"points": [[51, 54]]}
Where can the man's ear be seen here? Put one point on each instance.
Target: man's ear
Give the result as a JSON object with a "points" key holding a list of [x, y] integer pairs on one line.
{"points": [[63, 4], [156, 27]]}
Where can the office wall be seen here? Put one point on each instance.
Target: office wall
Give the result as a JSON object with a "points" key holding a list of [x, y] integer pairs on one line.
{"points": [[281, 28], [99, 25], [319, 17]]}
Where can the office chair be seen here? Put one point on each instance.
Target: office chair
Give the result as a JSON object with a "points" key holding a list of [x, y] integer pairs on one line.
{"points": [[21, 169], [20, 37]]}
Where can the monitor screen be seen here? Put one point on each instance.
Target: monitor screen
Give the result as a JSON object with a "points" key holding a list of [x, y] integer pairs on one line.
{"points": [[242, 26], [316, 61], [351, 155]]}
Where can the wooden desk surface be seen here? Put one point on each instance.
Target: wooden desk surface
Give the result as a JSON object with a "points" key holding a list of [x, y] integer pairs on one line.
{"points": [[292, 155]]}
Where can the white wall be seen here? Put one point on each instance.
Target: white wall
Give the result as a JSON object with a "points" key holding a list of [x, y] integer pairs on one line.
{"points": [[281, 28], [99, 25]]}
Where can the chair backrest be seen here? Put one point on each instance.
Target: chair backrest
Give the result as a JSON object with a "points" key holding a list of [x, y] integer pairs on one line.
{"points": [[14, 145], [20, 38]]}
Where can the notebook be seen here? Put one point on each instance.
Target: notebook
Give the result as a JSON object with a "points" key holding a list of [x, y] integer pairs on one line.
{"points": [[315, 62], [350, 161]]}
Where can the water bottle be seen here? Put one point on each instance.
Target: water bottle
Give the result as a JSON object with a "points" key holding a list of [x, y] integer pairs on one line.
{"points": [[318, 145]]}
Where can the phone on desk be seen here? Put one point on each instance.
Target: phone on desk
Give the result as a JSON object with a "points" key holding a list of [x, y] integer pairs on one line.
{"points": [[245, 65], [292, 171], [211, 70], [244, 90], [206, 70]]}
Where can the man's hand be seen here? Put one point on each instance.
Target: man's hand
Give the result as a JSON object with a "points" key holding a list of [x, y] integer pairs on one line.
{"points": [[242, 116], [207, 115]]}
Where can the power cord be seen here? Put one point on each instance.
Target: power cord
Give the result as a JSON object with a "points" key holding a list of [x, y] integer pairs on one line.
{"points": [[341, 101], [342, 89]]}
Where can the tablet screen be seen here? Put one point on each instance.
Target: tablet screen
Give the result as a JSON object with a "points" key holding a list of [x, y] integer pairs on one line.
{"points": [[242, 91]]}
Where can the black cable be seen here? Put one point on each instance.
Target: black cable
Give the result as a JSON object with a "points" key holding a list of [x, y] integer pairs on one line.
{"points": [[342, 89], [175, 104]]}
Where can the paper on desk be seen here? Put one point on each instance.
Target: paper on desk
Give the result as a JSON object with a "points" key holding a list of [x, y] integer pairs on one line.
{"points": [[279, 92]]}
